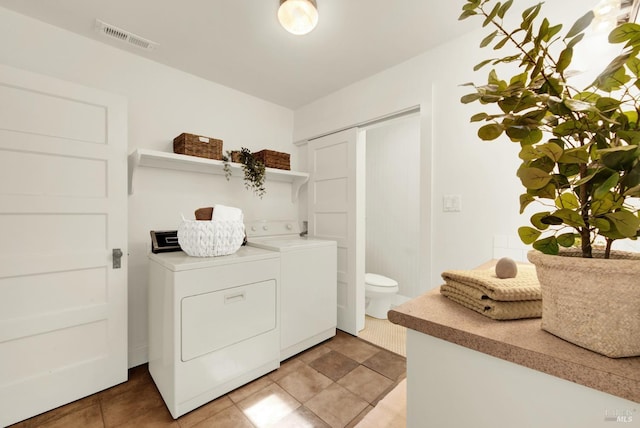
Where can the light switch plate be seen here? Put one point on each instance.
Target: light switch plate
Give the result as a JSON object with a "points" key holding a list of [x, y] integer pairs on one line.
{"points": [[452, 203]]}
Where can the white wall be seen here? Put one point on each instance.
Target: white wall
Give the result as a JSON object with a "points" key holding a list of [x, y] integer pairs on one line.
{"points": [[393, 202], [453, 159], [162, 103]]}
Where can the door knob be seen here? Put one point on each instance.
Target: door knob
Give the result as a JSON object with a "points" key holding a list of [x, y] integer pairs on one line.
{"points": [[117, 256]]}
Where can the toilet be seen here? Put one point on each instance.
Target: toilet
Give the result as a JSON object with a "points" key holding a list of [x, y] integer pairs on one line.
{"points": [[379, 293]]}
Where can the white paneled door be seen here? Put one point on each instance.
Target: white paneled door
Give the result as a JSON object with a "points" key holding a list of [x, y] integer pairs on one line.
{"points": [[336, 211], [63, 213]]}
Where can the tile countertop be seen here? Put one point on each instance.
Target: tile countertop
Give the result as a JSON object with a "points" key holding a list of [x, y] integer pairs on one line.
{"points": [[519, 341]]}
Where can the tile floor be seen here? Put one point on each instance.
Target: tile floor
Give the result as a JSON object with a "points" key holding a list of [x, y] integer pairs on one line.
{"points": [[334, 384]]}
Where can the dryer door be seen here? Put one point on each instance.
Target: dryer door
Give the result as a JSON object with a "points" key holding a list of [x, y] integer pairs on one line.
{"points": [[212, 321]]}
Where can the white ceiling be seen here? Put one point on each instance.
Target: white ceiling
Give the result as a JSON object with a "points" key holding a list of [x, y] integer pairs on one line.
{"points": [[239, 43]]}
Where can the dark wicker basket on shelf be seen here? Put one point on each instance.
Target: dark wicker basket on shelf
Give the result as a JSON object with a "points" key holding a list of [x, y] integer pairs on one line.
{"points": [[273, 159], [235, 156], [198, 145]]}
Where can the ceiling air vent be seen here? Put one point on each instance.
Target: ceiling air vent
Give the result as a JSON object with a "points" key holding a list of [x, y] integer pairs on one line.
{"points": [[113, 32]]}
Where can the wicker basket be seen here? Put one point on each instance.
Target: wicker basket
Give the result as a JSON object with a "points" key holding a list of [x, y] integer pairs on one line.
{"points": [[235, 156], [273, 159], [197, 145], [592, 303]]}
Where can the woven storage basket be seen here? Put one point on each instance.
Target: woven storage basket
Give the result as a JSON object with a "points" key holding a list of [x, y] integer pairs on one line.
{"points": [[210, 238], [198, 145], [593, 303], [273, 159], [235, 156]]}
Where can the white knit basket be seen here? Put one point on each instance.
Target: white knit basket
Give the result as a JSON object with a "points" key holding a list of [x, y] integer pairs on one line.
{"points": [[212, 238]]}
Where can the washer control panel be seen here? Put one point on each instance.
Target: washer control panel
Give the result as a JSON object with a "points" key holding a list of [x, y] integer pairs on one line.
{"points": [[263, 228]]}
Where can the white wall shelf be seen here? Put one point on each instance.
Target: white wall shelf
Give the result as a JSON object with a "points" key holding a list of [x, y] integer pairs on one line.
{"points": [[166, 160]]}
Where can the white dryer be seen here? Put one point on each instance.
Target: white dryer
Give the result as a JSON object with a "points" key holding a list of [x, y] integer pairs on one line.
{"points": [[213, 323], [308, 283]]}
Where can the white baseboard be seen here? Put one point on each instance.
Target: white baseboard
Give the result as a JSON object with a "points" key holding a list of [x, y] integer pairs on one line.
{"points": [[138, 356]]}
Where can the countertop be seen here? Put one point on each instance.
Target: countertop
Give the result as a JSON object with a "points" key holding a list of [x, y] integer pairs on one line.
{"points": [[519, 341]]}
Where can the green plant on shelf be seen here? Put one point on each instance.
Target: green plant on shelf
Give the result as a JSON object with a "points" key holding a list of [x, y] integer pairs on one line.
{"points": [[253, 169]]}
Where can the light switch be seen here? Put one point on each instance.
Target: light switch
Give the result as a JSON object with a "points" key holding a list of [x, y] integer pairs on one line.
{"points": [[452, 203]]}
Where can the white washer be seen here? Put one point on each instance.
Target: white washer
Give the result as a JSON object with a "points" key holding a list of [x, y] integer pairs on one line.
{"points": [[213, 323], [308, 283]]}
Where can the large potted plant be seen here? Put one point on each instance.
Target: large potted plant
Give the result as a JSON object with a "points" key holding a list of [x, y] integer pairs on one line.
{"points": [[580, 158]]}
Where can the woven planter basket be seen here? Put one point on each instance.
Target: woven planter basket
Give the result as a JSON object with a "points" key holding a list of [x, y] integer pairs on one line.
{"points": [[593, 303]]}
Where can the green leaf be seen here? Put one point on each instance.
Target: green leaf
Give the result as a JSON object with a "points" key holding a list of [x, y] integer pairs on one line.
{"points": [[471, 5], [606, 104], [547, 245], [491, 14], [570, 217], [552, 220], [528, 153], [604, 188], [533, 178], [564, 60], [504, 8], [634, 65], [517, 133], [575, 40], [525, 200], [567, 128], [488, 39], [469, 98], [547, 192], [537, 220], [479, 117], [551, 150], [501, 43], [633, 192], [625, 222], [466, 14], [602, 206], [528, 235], [601, 223], [566, 239], [576, 155], [529, 15], [481, 64], [624, 32], [580, 25], [618, 158], [553, 30], [534, 136], [567, 200], [632, 178], [544, 31], [614, 75], [490, 131]]}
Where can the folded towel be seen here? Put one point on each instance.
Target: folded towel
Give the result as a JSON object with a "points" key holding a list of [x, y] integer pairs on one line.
{"points": [[223, 212], [474, 299], [524, 286]]}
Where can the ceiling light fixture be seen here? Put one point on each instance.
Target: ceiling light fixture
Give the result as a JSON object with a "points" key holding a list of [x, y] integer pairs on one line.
{"points": [[298, 16]]}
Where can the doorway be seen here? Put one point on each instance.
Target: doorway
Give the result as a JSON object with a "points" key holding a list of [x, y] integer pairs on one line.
{"points": [[392, 207], [337, 204]]}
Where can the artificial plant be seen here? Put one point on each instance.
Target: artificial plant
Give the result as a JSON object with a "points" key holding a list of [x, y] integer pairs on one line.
{"points": [[253, 169], [579, 147]]}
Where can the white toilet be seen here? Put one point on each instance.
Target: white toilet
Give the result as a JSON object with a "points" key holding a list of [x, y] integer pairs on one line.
{"points": [[379, 293]]}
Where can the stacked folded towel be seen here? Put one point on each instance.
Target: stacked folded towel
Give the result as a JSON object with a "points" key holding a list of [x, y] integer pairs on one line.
{"points": [[496, 298], [223, 212]]}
